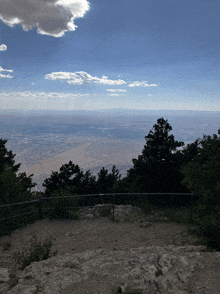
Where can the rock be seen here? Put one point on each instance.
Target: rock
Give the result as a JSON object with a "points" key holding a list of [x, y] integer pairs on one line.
{"points": [[151, 270], [3, 288], [119, 211], [4, 275]]}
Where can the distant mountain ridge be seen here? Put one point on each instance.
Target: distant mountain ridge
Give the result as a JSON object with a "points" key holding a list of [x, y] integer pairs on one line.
{"points": [[113, 111]]}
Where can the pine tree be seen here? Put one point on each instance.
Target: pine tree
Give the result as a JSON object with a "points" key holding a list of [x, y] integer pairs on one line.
{"points": [[69, 177], [157, 168], [202, 177], [13, 188]]}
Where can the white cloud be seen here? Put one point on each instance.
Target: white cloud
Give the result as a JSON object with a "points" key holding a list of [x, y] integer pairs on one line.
{"points": [[51, 17], [5, 76], [3, 47], [138, 84], [113, 94], [39, 95], [2, 69], [82, 78], [116, 90]]}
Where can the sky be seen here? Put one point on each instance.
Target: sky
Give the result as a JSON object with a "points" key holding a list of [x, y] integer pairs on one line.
{"points": [[102, 54]]}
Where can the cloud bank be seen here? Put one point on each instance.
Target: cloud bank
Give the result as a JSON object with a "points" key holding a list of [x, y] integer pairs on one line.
{"points": [[5, 76], [141, 84], [42, 95], [82, 78], [3, 47], [51, 17]]}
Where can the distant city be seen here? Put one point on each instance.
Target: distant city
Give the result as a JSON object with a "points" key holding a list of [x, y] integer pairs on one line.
{"points": [[44, 140]]}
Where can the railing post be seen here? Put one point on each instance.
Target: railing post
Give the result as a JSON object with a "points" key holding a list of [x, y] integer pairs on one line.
{"points": [[40, 208], [113, 206], [191, 209]]}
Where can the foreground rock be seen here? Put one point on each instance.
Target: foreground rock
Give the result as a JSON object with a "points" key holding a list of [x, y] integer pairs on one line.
{"points": [[147, 269]]}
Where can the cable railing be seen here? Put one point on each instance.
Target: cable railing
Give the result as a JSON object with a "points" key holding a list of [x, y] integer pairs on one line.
{"points": [[41, 200]]}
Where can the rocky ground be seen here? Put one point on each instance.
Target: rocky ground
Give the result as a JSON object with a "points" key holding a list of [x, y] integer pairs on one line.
{"points": [[96, 255]]}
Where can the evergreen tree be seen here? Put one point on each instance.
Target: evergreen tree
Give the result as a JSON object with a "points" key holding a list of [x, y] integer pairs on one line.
{"points": [[106, 182], [71, 181], [102, 181], [202, 174], [7, 158], [69, 177], [13, 188], [157, 168], [202, 177], [88, 184]]}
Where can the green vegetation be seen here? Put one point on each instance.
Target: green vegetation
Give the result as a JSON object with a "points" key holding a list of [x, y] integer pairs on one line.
{"points": [[13, 188], [37, 252], [202, 176], [157, 168]]}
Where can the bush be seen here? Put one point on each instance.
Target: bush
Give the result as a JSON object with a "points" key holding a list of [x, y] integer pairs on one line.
{"points": [[202, 178], [208, 212], [37, 252], [105, 212], [60, 210]]}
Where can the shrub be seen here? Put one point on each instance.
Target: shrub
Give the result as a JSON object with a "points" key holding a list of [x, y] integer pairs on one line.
{"points": [[105, 212], [37, 252]]}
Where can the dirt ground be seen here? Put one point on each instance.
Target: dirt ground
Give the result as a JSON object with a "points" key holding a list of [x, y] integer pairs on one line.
{"points": [[132, 231]]}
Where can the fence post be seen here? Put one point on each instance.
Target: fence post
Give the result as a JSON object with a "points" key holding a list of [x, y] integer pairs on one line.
{"points": [[40, 208], [113, 206], [191, 208]]}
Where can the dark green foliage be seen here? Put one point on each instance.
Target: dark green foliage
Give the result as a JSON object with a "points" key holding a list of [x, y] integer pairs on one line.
{"points": [[13, 188], [70, 177], [157, 169], [202, 177], [88, 184], [60, 208], [105, 212], [71, 181], [7, 158], [107, 182], [202, 173]]}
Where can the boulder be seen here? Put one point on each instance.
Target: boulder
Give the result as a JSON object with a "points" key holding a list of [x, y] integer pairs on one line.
{"points": [[150, 270], [120, 211]]}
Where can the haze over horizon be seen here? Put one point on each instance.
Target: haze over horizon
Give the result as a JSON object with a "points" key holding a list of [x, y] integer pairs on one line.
{"points": [[90, 55]]}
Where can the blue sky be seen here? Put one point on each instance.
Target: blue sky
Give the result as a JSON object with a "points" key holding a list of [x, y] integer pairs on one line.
{"points": [[99, 54]]}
